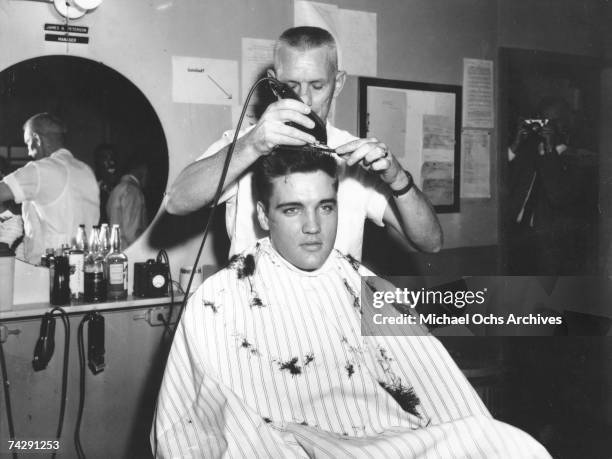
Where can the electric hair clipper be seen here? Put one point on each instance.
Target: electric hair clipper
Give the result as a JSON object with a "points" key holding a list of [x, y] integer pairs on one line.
{"points": [[284, 91]]}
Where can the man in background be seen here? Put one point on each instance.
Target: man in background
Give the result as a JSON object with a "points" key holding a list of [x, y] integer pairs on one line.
{"points": [[106, 168], [57, 191], [372, 183], [546, 188], [126, 205]]}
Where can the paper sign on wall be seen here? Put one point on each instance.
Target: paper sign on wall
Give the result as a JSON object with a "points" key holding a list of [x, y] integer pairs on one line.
{"points": [[257, 57], [199, 80], [357, 52], [475, 164], [358, 49], [315, 14], [478, 93]]}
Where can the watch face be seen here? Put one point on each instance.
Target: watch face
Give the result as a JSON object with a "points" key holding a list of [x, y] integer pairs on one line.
{"points": [[158, 281]]}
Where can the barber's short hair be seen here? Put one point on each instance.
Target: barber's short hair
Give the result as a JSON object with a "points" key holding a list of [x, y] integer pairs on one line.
{"points": [[46, 124], [305, 38], [285, 161]]}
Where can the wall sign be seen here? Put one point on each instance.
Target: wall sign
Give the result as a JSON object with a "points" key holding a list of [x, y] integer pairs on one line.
{"points": [[66, 28], [66, 38]]}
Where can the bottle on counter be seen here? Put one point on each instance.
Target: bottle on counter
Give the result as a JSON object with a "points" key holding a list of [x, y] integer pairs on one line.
{"points": [[93, 236], [95, 283], [47, 259], [50, 263], [7, 274], [116, 268], [104, 239], [80, 239], [76, 260], [60, 289]]}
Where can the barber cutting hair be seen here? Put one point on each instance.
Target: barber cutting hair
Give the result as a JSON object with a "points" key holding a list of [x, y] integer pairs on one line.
{"points": [[372, 184]]}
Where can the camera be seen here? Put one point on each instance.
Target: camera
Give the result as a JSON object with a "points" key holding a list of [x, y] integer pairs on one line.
{"points": [[534, 124]]}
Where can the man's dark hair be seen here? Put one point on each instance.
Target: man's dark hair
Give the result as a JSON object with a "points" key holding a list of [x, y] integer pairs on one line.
{"points": [[306, 37], [285, 161]]}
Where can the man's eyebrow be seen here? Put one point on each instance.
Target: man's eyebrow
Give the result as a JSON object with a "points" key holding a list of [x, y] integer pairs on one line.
{"points": [[289, 204], [329, 201], [316, 80]]}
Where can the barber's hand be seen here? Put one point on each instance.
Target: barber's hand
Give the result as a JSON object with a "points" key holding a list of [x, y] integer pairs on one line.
{"points": [[521, 134], [374, 156], [271, 130]]}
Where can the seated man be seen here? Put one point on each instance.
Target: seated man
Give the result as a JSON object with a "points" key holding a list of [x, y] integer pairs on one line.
{"points": [[268, 359]]}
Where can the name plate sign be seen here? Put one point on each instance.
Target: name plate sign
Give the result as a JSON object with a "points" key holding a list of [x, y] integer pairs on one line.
{"points": [[66, 28], [66, 38]]}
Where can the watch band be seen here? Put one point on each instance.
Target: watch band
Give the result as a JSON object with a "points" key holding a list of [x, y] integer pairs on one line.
{"points": [[406, 189]]}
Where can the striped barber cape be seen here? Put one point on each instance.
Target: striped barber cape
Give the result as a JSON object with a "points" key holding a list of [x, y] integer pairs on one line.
{"points": [[269, 361]]}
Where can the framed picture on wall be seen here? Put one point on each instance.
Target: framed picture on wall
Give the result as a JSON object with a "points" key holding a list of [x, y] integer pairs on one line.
{"points": [[421, 124]]}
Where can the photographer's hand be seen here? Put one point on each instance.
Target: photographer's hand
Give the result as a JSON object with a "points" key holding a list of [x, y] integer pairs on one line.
{"points": [[522, 133], [549, 134]]}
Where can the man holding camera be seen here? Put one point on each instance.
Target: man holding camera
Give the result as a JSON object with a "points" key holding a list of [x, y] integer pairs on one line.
{"points": [[544, 188]]}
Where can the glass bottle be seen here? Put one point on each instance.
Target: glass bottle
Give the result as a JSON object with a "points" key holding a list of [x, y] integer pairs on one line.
{"points": [[76, 260], [65, 249], [104, 240], [93, 236], [81, 239], [60, 290], [95, 284], [51, 265], [116, 268]]}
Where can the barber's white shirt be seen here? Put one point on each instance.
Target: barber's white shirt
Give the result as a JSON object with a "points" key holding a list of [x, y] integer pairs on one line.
{"points": [[360, 195], [58, 194]]}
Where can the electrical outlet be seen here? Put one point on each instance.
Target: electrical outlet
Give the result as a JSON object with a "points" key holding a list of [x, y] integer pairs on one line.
{"points": [[4, 332], [154, 315]]}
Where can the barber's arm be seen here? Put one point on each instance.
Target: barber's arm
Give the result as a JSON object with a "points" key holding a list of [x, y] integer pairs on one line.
{"points": [[409, 211], [196, 185]]}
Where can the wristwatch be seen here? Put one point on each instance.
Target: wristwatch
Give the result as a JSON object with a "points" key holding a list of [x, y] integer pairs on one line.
{"points": [[406, 189]]}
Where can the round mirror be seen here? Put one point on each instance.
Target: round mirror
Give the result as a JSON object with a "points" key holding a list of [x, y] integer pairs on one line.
{"points": [[111, 126]]}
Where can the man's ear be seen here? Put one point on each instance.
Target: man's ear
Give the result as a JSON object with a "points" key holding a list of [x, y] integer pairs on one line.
{"points": [[339, 83], [271, 73], [262, 217]]}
